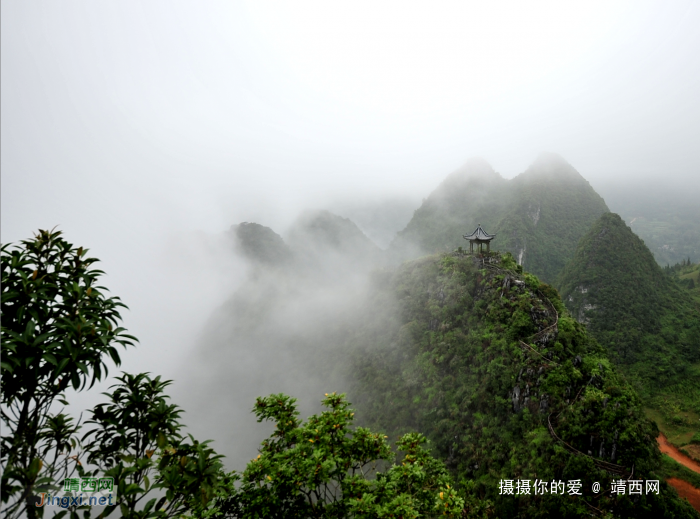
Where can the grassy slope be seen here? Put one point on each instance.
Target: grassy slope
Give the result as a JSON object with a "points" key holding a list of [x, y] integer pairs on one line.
{"points": [[449, 366]]}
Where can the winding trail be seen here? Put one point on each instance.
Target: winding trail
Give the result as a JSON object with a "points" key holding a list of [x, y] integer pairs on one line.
{"points": [[684, 489]]}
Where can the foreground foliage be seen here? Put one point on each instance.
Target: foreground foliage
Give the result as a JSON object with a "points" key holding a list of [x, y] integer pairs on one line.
{"points": [[58, 329], [322, 468], [136, 440]]}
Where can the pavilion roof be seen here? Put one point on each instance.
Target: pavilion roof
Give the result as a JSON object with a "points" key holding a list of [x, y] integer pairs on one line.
{"points": [[479, 234]]}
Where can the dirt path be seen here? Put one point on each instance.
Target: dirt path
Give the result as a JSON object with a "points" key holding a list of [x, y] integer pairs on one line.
{"points": [[687, 491], [677, 455]]}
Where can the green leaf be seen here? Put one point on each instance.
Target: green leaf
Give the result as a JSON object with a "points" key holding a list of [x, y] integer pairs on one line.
{"points": [[49, 357]]}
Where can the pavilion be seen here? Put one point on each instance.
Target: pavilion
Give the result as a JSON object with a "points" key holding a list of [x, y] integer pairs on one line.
{"points": [[479, 236]]}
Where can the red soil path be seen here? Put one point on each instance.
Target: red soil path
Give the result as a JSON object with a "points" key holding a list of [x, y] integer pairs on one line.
{"points": [[683, 488], [687, 491], [677, 455]]}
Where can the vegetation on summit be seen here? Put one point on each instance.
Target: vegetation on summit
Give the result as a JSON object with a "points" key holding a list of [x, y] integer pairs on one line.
{"points": [[488, 363]]}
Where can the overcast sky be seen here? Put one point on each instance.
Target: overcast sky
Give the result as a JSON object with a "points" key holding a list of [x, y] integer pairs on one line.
{"points": [[130, 123]]}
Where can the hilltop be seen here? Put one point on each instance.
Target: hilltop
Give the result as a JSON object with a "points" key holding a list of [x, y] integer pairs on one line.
{"points": [[539, 216], [647, 321], [473, 194], [489, 364], [321, 238], [551, 209]]}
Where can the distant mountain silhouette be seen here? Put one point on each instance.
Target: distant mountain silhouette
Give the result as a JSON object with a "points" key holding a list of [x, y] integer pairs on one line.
{"points": [[259, 243]]}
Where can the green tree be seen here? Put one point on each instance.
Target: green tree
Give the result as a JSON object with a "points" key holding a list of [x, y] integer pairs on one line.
{"points": [[58, 328], [322, 468], [137, 442]]}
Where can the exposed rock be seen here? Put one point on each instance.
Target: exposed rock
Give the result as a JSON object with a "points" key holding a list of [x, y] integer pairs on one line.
{"points": [[516, 398]]}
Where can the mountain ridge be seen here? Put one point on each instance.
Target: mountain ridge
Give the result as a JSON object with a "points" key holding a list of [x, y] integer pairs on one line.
{"points": [[538, 216]]}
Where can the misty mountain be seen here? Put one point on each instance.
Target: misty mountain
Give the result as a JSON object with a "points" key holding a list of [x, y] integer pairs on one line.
{"points": [[315, 240], [483, 359], [473, 194], [479, 357], [539, 216], [318, 232], [666, 216], [260, 244], [284, 328], [323, 241], [379, 218], [551, 208], [650, 324]]}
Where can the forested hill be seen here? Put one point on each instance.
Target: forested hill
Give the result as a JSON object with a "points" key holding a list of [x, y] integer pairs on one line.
{"points": [[539, 216], [650, 324], [552, 207], [489, 364], [665, 216]]}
